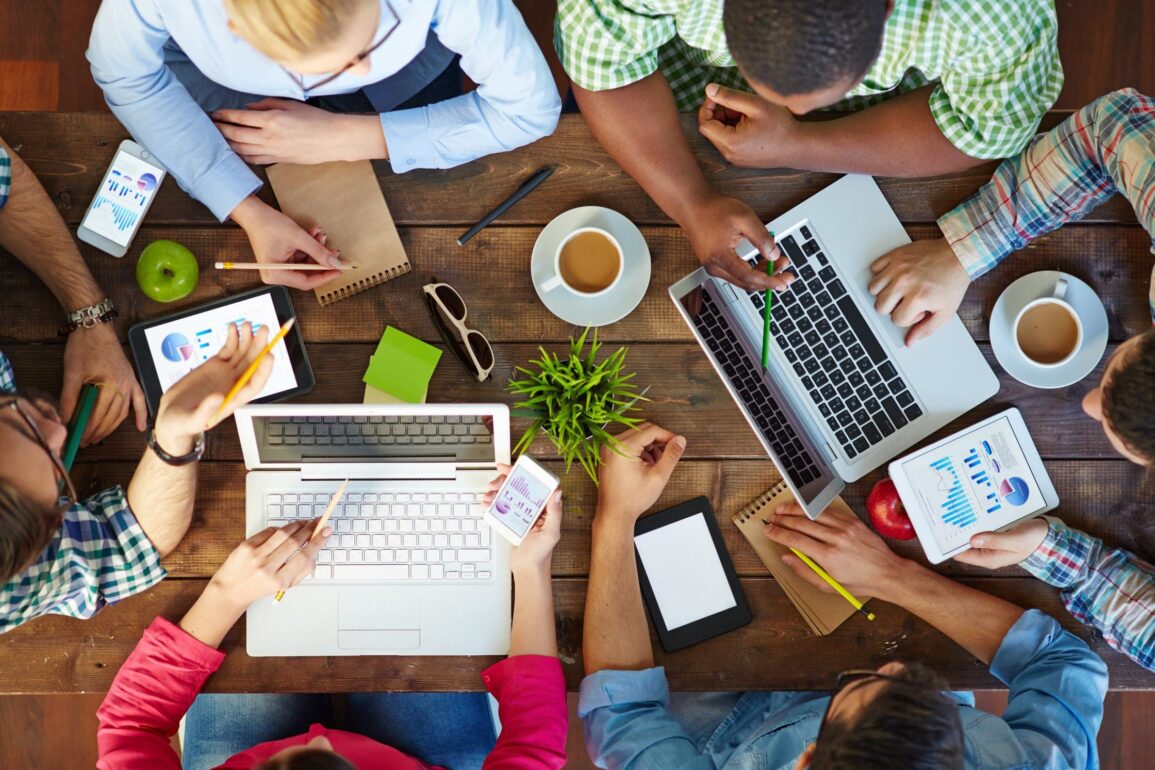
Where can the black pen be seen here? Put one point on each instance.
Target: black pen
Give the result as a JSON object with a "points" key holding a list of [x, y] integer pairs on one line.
{"points": [[526, 188]]}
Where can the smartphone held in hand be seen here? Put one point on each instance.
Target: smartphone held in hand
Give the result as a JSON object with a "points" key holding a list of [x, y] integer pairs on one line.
{"points": [[521, 499]]}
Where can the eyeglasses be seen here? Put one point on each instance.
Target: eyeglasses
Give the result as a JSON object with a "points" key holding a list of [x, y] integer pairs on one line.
{"points": [[63, 480], [448, 311], [354, 61], [857, 676]]}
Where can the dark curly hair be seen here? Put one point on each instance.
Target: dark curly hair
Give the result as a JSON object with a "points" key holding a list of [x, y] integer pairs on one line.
{"points": [[310, 759], [1129, 398]]}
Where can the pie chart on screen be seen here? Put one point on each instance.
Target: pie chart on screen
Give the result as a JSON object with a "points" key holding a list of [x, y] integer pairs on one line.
{"points": [[1014, 490], [176, 348]]}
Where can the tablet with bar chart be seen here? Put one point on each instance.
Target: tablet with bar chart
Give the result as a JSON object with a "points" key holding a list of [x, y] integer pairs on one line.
{"points": [[985, 478]]}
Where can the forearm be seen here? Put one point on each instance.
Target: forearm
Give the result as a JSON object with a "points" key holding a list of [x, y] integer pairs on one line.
{"points": [[653, 150], [976, 621], [162, 495], [615, 633], [211, 616], [32, 230], [897, 138], [533, 619], [361, 136]]}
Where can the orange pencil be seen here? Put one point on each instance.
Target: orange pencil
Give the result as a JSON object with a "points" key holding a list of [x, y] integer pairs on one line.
{"points": [[320, 525]]}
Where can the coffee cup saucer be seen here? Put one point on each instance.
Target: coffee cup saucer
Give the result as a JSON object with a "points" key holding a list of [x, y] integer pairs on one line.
{"points": [[603, 309], [1034, 286]]}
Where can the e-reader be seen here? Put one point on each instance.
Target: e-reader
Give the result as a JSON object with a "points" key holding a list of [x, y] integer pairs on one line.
{"points": [[687, 579], [985, 478], [166, 349]]}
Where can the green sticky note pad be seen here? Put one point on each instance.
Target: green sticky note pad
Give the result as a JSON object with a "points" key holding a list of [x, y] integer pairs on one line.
{"points": [[402, 366]]}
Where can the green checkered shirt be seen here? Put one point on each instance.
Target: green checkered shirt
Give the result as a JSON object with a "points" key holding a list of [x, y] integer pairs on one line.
{"points": [[98, 556], [5, 176], [996, 62]]}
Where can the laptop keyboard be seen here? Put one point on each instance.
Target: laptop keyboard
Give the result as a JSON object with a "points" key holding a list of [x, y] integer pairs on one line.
{"points": [[727, 350], [395, 536], [843, 367], [377, 429]]}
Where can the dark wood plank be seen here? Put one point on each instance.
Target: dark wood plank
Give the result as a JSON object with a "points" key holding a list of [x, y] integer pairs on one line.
{"points": [[1115, 260], [1102, 48], [686, 395], [70, 152], [26, 33], [29, 85], [1105, 498], [776, 651], [48, 731], [78, 91]]}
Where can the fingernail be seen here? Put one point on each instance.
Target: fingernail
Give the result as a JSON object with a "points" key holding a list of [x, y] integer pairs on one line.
{"points": [[680, 442], [979, 542], [712, 89], [216, 116], [335, 261]]}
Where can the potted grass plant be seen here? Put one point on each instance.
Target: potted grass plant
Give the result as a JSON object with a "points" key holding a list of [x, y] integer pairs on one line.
{"points": [[574, 400]]}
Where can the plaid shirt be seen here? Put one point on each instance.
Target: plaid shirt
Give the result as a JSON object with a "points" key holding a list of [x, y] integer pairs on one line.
{"points": [[996, 63], [5, 176], [99, 556], [1105, 148], [1110, 590]]}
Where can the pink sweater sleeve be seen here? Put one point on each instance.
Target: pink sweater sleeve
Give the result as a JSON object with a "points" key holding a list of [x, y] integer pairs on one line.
{"points": [[152, 691], [530, 692]]}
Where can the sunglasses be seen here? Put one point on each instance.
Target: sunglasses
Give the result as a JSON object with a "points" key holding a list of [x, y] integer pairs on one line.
{"points": [[448, 311]]}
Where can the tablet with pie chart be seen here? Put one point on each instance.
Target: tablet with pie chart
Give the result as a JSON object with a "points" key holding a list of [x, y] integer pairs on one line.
{"points": [[985, 478]]}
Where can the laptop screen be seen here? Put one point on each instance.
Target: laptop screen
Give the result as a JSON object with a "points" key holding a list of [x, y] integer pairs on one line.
{"points": [[422, 438]]}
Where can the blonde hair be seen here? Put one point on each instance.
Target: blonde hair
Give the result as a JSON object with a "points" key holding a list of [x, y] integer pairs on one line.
{"points": [[288, 29]]}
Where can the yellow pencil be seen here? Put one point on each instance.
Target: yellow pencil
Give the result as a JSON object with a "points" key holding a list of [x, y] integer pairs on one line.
{"points": [[277, 266], [833, 583], [320, 525], [248, 373]]}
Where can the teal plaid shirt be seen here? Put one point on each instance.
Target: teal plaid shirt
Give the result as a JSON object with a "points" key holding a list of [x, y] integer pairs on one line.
{"points": [[996, 63], [98, 556], [5, 176]]}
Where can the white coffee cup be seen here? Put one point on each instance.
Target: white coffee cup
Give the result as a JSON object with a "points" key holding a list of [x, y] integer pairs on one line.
{"points": [[558, 280], [1057, 298]]}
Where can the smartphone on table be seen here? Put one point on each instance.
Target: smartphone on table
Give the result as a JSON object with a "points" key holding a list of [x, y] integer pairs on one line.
{"points": [[521, 499], [126, 192]]}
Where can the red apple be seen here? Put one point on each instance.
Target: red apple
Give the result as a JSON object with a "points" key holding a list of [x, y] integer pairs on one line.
{"points": [[886, 512]]}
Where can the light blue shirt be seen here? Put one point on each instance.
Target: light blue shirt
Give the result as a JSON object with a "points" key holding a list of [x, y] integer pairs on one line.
{"points": [[1057, 685], [515, 103]]}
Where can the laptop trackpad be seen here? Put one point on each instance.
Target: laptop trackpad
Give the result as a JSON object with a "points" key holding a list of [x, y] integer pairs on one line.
{"points": [[384, 619]]}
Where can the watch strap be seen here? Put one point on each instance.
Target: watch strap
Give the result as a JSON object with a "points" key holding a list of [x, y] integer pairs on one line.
{"points": [[88, 317], [177, 460]]}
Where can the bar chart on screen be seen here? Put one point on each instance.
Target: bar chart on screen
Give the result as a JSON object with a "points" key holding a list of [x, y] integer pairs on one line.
{"points": [[955, 505]]}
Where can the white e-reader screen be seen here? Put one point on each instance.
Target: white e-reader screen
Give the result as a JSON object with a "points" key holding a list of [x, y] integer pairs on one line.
{"points": [[684, 571], [179, 346], [979, 481]]}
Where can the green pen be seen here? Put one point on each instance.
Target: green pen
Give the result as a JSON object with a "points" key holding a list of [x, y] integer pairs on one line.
{"points": [[766, 305], [79, 422]]}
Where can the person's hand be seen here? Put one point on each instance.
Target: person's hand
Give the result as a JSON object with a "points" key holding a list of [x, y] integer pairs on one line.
{"points": [[187, 407], [277, 238], [283, 131], [536, 551], [715, 229], [272, 560], [1002, 549], [631, 482], [840, 543], [94, 355], [919, 285], [748, 130]]}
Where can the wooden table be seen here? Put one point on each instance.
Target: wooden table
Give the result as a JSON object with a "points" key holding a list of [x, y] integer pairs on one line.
{"points": [[723, 459]]}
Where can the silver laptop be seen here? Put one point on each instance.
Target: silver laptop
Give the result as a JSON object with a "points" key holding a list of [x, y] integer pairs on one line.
{"points": [[842, 394], [411, 568]]}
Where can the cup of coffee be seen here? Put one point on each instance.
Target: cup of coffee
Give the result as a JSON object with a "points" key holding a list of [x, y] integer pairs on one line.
{"points": [[1048, 331], [588, 263]]}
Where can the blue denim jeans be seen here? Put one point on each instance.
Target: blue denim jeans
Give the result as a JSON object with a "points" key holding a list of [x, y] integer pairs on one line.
{"points": [[453, 730]]}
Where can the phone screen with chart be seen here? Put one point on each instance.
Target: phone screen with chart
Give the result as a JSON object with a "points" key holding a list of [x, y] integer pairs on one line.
{"points": [[179, 346], [978, 482], [123, 198], [520, 501]]}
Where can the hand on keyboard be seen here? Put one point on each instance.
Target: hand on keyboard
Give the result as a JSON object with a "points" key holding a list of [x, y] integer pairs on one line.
{"points": [[536, 551], [272, 560], [920, 285]]}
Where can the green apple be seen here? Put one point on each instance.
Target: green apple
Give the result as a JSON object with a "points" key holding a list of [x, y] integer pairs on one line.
{"points": [[167, 271]]}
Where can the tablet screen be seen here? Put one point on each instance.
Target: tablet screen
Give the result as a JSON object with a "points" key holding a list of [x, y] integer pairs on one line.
{"points": [[977, 482], [684, 571], [179, 346]]}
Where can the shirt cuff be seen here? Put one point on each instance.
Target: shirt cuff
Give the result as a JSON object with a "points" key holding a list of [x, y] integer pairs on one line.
{"points": [[222, 187], [613, 688], [1023, 644], [169, 636], [407, 140], [962, 232], [1061, 557], [538, 670]]}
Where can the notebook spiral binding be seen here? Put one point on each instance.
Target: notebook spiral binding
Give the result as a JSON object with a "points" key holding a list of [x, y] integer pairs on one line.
{"points": [[361, 285], [756, 505]]}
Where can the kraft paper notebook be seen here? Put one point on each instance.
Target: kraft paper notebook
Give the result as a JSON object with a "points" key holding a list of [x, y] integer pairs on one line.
{"points": [[345, 200], [823, 612]]}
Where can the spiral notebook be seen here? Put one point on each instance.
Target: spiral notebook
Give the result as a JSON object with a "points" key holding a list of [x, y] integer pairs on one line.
{"points": [[823, 612], [345, 200]]}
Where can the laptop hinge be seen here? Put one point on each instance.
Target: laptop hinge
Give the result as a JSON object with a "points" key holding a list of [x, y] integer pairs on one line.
{"points": [[345, 470]]}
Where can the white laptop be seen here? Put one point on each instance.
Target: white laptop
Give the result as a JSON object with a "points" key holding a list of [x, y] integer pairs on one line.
{"points": [[842, 394], [411, 568]]}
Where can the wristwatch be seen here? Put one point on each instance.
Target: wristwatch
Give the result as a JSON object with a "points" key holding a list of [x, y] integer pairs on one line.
{"points": [[87, 317], [178, 460]]}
